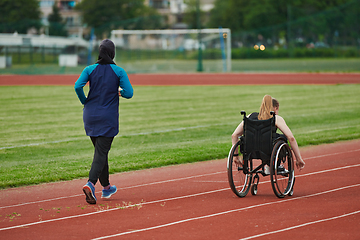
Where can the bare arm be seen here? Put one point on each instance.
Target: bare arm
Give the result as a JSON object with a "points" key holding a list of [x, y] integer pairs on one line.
{"points": [[280, 123], [235, 138], [237, 133]]}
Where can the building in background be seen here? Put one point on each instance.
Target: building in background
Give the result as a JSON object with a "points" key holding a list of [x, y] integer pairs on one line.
{"points": [[71, 17], [173, 9]]}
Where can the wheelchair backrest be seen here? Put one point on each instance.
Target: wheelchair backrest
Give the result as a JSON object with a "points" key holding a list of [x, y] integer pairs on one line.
{"points": [[258, 138]]}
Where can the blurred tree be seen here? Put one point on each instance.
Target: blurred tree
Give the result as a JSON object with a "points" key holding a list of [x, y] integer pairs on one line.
{"points": [[268, 19], [56, 23], [266, 14], [325, 21], [105, 16], [19, 15], [228, 14], [190, 14]]}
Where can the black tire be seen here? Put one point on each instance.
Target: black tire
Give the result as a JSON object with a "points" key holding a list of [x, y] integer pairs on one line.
{"points": [[292, 189], [282, 169], [239, 181], [254, 186], [254, 189]]}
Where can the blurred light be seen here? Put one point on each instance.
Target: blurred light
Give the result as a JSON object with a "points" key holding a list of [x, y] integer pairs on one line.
{"points": [[256, 47], [224, 35], [262, 47]]}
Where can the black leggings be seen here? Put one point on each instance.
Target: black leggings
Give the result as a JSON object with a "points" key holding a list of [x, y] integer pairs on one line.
{"points": [[100, 166]]}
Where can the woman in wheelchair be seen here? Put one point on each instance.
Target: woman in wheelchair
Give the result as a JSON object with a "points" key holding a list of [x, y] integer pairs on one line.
{"points": [[270, 104]]}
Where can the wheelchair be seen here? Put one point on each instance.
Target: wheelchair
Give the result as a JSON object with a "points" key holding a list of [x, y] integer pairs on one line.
{"points": [[259, 142]]}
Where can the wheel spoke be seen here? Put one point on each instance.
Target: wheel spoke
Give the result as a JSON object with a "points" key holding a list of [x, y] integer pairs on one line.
{"points": [[282, 173], [239, 181]]}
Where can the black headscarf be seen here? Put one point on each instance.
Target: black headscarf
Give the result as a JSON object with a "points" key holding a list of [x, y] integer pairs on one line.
{"points": [[106, 52]]}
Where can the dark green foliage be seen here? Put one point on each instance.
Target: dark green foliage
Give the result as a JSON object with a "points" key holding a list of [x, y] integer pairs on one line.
{"points": [[105, 16], [191, 15], [19, 15], [57, 25], [335, 22]]}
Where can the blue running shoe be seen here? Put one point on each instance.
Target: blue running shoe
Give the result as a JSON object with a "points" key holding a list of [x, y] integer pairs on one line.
{"points": [[89, 191], [107, 193]]}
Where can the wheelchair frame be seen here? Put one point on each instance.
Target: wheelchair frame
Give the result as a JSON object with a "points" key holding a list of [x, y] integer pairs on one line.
{"points": [[246, 177]]}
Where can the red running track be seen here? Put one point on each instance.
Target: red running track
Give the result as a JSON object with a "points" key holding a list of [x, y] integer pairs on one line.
{"points": [[194, 201], [196, 79]]}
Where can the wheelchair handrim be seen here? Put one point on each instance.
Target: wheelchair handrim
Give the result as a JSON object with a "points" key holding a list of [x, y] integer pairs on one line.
{"points": [[244, 179], [290, 181]]}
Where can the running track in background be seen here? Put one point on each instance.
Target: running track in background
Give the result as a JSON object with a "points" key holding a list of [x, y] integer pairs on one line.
{"points": [[196, 79], [194, 201]]}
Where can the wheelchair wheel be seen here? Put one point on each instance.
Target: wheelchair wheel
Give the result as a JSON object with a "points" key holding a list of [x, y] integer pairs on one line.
{"points": [[239, 180], [254, 186], [292, 189], [254, 190], [282, 169]]}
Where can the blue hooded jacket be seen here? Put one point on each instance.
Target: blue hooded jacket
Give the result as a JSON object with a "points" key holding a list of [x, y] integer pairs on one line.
{"points": [[101, 106]]}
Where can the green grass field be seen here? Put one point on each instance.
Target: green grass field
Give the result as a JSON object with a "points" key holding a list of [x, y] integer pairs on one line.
{"points": [[181, 66], [43, 140]]}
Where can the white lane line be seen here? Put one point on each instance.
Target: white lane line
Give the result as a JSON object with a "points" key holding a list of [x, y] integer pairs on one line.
{"points": [[302, 225], [41, 201], [145, 203], [328, 170], [173, 180], [296, 176], [223, 213], [211, 181], [331, 154], [130, 187], [113, 209]]}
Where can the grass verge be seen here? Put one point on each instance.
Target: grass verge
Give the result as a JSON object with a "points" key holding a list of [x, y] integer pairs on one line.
{"points": [[42, 137]]}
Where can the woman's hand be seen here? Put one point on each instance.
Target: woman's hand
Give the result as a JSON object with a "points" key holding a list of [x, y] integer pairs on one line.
{"points": [[238, 160], [300, 164], [119, 91]]}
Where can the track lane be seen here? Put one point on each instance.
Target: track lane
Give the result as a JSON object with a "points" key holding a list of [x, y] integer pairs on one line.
{"points": [[195, 79], [180, 208]]}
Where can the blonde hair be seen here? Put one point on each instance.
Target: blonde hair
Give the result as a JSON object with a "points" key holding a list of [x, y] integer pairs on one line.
{"points": [[266, 107]]}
